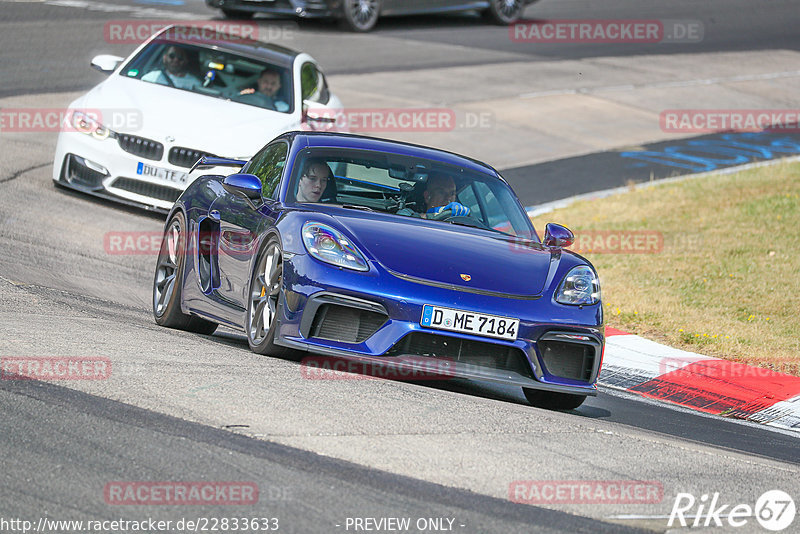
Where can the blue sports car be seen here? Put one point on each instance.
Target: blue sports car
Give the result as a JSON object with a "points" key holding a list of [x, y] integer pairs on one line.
{"points": [[383, 253]]}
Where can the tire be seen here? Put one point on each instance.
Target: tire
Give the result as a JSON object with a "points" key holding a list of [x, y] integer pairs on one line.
{"points": [[168, 281], [553, 401], [265, 295], [360, 15], [235, 14], [504, 12]]}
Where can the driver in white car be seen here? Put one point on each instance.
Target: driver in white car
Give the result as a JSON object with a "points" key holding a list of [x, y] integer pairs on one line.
{"points": [[175, 72]]}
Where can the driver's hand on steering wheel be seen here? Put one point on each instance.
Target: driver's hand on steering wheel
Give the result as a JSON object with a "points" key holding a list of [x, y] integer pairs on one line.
{"points": [[458, 209]]}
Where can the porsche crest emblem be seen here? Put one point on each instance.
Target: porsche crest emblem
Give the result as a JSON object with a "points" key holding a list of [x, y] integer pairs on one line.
{"points": [[466, 277]]}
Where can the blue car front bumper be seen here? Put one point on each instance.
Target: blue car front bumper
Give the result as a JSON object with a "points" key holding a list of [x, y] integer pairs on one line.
{"points": [[374, 317]]}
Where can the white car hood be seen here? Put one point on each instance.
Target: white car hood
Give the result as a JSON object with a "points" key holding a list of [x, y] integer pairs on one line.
{"points": [[200, 122]]}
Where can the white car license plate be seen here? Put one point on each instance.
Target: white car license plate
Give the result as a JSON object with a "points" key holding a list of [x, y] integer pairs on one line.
{"points": [[167, 175], [469, 322]]}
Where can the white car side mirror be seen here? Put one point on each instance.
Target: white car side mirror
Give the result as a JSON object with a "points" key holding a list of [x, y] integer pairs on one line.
{"points": [[106, 63], [316, 112]]}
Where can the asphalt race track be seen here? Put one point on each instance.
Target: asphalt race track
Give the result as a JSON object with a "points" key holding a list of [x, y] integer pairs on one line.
{"points": [[182, 407]]}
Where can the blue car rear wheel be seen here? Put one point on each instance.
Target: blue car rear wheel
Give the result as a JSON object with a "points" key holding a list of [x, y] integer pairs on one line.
{"points": [[168, 281]]}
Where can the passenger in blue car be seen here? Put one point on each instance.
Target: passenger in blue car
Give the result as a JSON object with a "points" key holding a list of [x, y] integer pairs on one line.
{"points": [[314, 181]]}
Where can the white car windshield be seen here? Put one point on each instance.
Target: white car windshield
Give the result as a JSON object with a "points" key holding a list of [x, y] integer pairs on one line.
{"points": [[214, 73], [409, 187]]}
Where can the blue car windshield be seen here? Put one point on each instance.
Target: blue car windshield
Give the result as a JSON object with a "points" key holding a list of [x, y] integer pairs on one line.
{"points": [[409, 187], [213, 73]]}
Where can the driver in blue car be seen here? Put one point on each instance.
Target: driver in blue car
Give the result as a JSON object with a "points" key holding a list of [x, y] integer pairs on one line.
{"points": [[440, 195]]}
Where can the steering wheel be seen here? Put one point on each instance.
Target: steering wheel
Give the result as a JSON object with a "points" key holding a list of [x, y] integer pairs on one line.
{"points": [[441, 216], [166, 77], [447, 216]]}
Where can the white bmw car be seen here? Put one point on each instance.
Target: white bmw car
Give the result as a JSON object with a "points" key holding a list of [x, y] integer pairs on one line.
{"points": [[134, 137]]}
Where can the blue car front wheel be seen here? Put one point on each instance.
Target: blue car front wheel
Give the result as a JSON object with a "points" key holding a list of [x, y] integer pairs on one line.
{"points": [[263, 307]]}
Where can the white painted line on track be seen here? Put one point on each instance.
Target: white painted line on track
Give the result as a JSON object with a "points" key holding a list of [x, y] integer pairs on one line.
{"points": [[136, 11], [665, 84], [547, 207], [635, 397]]}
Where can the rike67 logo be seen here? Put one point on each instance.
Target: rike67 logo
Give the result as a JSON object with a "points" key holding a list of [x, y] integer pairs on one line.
{"points": [[774, 510]]}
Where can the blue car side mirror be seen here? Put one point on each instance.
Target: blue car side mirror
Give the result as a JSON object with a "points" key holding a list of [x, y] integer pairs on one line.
{"points": [[247, 185], [556, 235]]}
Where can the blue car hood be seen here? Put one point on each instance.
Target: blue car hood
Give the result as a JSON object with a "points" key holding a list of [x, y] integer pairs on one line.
{"points": [[442, 252]]}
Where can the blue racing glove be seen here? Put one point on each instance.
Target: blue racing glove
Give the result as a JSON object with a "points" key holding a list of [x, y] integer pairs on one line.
{"points": [[459, 210]]}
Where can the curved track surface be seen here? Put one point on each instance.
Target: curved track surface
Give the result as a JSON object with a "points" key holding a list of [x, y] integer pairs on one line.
{"points": [[184, 407]]}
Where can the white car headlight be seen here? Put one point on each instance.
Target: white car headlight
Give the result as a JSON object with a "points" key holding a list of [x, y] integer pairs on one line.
{"points": [[330, 246], [86, 124], [579, 288]]}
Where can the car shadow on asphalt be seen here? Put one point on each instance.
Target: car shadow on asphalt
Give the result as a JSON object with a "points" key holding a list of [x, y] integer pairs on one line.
{"points": [[385, 24], [474, 388], [111, 204]]}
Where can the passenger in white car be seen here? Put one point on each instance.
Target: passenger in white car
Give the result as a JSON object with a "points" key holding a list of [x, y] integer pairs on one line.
{"points": [[269, 84], [175, 72]]}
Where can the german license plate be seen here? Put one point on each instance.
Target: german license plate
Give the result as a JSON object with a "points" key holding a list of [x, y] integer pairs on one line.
{"points": [[469, 322], [167, 175]]}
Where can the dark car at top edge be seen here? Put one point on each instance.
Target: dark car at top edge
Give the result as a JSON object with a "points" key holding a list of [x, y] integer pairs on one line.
{"points": [[362, 15], [366, 274]]}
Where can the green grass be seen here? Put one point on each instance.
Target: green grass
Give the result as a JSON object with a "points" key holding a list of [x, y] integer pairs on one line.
{"points": [[727, 281]]}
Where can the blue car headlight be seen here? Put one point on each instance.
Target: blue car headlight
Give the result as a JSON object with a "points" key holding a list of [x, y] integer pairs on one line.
{"points": [[579, 288], [330, 246]]}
